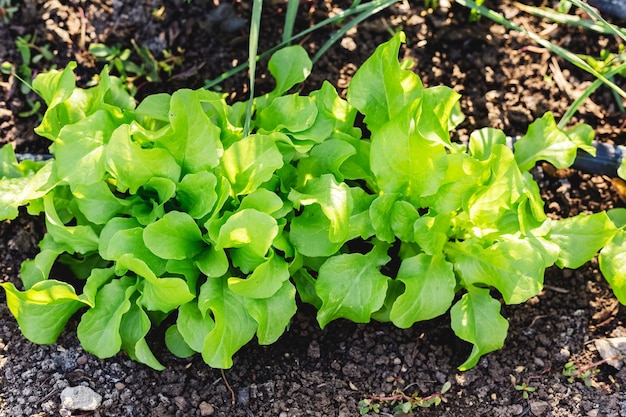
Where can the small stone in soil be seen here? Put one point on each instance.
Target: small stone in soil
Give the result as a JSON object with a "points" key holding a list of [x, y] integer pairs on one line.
{"points": [[206, 409], [516, 409], [538, 408], [563, 355], [180, 402], [80, 398], [243, 396], [441, 377]]}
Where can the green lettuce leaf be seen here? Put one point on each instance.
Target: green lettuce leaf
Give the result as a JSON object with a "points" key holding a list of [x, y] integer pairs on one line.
{"points": [[132, 166], [612, 260], [97, 202], [581, 237], [79, 149], [250, 162], [122, 237], [404, 161], [380, 215], [157, 293], [430, 283], [483, 140], [195, 140], [194, 325], [514, 267], [234, 327], [476, 319], [335, 200], [273, 314], [289, 66], [351, 286], [99, 328], [43, 310], [175, 236], [134, 327], [310, 233], [264, 281], [251, 233], [278, 116], [381, 88], [80, 238], [38, 269], [544, 141], [19, 191], [197, 194]]}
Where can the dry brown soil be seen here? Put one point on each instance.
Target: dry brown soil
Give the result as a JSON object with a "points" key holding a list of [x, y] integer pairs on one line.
{"points": [[506, 82]]}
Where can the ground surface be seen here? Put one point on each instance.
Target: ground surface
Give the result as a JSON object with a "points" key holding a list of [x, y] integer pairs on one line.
{"points": [[506, 82]]}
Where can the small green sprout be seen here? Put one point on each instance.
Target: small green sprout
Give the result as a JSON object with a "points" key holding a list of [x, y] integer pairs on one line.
{"points": [[526, 389], [574, 370], [131, 72], [401, 402], [7, 10]]}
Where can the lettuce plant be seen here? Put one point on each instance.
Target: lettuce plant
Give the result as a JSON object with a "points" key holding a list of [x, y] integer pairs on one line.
{"points": [[164, 214]]}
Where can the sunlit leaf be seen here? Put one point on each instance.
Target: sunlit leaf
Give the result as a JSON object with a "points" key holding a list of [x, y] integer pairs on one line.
{"points": [[476, 319], [351, 286], [429, 292]]}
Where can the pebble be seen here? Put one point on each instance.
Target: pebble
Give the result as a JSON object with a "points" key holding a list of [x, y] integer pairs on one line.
{"points": [[441, 377], [593, 413], [611, 350], [80, 398], [206, 409], [180, 402], [538, 408], [243, 396], [563, 355]]}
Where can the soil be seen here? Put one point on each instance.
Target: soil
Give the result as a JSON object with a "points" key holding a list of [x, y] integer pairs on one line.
{"points": [[506, 82]]}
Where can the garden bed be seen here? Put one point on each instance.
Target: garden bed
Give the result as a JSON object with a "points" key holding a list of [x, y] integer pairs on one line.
{"points": [[506, 82]]}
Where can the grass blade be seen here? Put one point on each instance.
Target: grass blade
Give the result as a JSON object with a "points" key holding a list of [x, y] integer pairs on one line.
{"points": [[601, 26], [573, 108], [253, 48], [614, 29], [562, 52], [376, 8], [328, 21], [290, 20]]}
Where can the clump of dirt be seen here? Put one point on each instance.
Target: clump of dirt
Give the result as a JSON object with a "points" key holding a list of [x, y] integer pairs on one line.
{"points": [[506, 82]]}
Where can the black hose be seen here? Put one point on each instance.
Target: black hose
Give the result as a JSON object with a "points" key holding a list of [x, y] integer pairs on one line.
{"points": [[606, 162], [33, 156], [615, 8]]}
